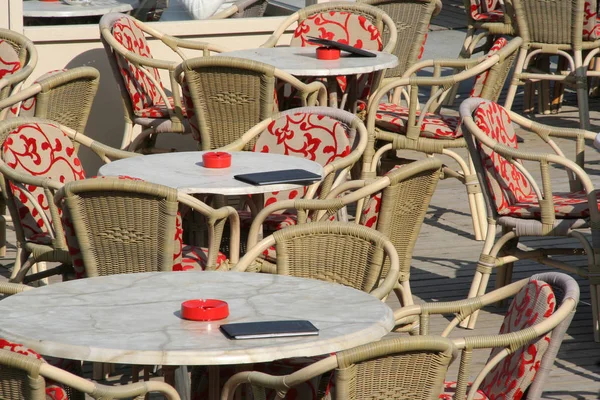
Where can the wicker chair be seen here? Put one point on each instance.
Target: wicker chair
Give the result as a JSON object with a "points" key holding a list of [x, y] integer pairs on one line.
{"points": [[27, 377], [144, 96], [243, 9], [29, 182], [423, 129], [54, 94], [115, 225], [342, 21], [334, 138], [404, 368], [396, 207], [523, 352], [570, 34], [412, 19], [19, 58], [516, 203], [218, 88]]}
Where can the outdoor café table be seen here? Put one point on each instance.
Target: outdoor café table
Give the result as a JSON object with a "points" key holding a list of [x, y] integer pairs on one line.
{"points": [[36, 8], [302, 61], [135, 318]]}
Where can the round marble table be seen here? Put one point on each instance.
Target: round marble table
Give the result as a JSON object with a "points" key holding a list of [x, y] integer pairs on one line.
{"points": [[35, 8], [302, 61], [184, 171], [135, 319]]}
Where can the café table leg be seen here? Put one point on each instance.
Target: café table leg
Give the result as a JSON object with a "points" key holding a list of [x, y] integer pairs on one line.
{"points": [[213, 382], [332, 88]]}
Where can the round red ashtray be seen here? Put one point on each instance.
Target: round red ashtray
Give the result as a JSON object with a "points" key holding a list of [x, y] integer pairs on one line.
{"points": [[216, 159], [204, 309], [328, 53]]}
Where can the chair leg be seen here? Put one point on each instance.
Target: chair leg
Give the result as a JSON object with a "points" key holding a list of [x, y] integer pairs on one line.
{"points": [[514, 83], [595, 300], [20, 260], [582, 92]]}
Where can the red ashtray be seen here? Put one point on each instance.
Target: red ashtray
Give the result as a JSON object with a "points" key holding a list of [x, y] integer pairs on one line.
{"points": [[328, 53], [204, 309], [216, 159]]}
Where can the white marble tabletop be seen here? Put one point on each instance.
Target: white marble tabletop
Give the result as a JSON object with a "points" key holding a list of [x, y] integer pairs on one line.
{"points": [[184, 171], [302, 61], [134, 318], [36, 8]]}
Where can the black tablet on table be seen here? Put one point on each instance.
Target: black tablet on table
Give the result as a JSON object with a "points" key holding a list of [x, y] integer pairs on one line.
{"points": [[281, 176], [269, 329], [344, 47]]}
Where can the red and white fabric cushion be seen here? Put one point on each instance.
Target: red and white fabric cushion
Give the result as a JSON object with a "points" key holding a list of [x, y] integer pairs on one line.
{"points": [[507, 184], [315, 137], [512, 376], [566, 205], [486, 11], [481, 79], [40, 150], [143, 93], [343, 27], [534, 303], [591, 22], [9, 64], [394, 118], [27, 108], [370, 214], [53, 390]]}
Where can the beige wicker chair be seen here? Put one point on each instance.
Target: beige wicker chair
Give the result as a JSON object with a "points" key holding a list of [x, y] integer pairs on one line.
{"points": [[404, 368], [339, 252], [243, 9], [23, 377], [30, 177], [412, 19], [521, 207], [117, 225], [226, 96], [63, 96], [144, 95], [569, 35], [523, 352], [424, 129], [19, 58], [396, 208]]}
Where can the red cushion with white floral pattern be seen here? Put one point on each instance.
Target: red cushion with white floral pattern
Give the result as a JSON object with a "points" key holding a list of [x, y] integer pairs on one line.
{"points": [[507, 184], [41, 150], [566, 205], [393, 117], [534, 303], [9, 59], [486, 11], [315, 137], [142, 91], [53, 390], [481, 79], [450, 391]]}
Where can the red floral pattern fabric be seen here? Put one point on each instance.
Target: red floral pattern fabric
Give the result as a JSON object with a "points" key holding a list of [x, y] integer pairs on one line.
{"points": [[53, 390], [566, 205], [512, 376], [41, 150], [481, 79], [9, 59], [487, 10], [507, 184], [591, 23], [315, 137], [394, 118], [142, 91], [272, 223]]}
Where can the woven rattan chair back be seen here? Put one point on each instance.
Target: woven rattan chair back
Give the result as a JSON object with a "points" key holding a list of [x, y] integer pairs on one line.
{"points": [[412, 19], [494, 79], [566, 16], [225, 97], [64, 96], [401, 368], [348, 254], [20, 378], [18, 58], [122, 226], [402, 207]]}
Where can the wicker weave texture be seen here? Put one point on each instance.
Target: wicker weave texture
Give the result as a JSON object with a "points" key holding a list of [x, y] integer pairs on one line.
{"points": [[19, 379], [123, 232], [351, 260], [538, 13]]}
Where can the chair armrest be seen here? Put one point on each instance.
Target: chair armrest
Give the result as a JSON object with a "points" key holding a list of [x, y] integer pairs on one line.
{"points": [[8, 288]]}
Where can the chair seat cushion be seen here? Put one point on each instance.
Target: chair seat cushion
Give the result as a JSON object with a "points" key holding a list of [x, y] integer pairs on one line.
{"points": [[159, 110], [53, 390], [450, 390], [394, 118], [272, 223], [566, 205], [41, 238], [195, 258], [489, 16]]}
